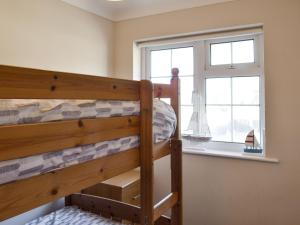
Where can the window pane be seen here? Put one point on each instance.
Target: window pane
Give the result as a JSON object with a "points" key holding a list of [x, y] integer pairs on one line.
{"points": [[218, 91], [187, 87], [161, 80], [220, 54], [160, 63], [186, 114], [219, 122], [183, 59], [245, 119], [243, 51], [245, 90]]}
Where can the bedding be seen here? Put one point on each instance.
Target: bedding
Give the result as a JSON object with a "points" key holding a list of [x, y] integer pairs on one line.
{"points": [[37, 111], [71, 215]]}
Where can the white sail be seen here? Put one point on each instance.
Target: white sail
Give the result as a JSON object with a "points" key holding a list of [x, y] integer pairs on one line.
{"points": [[198, 123], [256, 144], [194, 123]]}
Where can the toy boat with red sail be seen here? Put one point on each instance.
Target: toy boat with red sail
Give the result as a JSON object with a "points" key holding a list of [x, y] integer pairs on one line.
{"points": [[251, 143]]}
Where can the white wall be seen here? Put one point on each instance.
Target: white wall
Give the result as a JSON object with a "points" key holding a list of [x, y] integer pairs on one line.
{"points": [[223, 191], [50, 34], [53, 35]]}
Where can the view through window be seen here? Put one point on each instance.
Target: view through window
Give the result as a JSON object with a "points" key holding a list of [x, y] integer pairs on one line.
{"points": [[221, 85]]}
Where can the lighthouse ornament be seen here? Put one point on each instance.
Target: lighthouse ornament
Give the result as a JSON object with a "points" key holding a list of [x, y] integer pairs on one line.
{"points": [[251, 144]]}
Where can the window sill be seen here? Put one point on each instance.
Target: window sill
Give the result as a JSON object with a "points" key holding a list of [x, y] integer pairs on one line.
{"points": [[226, 154]]}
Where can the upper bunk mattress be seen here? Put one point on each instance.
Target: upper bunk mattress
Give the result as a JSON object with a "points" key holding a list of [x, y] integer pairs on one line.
{"points": [[71, 216], [37, 111]]}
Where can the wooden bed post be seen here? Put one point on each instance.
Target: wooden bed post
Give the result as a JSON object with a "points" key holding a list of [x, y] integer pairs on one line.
{"points": [[175, 99], [176, 152], [146, 152], [176, 180]]}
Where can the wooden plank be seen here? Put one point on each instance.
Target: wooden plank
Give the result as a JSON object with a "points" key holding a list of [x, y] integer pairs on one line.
{"points": [[161, 149], [124, 179], [99, 205], [23, 195], [105, 191], [121, 188], [162, 91], [30, 139], [176, 180], [146, 152], [165, 204], [163, 220], [24, 83], [110, 207], [175, 99]]}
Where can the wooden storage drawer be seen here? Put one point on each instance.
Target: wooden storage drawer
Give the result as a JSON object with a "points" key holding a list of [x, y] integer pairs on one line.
{"points": [[125, 188], [131, 194]]}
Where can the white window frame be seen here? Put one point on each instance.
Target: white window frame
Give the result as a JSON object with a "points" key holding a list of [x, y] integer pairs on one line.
{"points": [[203, 70], [240, 69], [146, 60]]}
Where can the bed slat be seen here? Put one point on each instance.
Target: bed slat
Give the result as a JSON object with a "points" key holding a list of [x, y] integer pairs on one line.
{"points": [[21, 196], [24, 83], [29, 139]]}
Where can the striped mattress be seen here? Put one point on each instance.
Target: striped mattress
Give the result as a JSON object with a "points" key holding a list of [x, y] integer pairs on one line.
{"points": [[38, 111], [72, 216]]}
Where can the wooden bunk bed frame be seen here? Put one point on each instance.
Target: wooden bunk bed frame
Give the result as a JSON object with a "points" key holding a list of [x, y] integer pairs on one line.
{"points": [[18, 141]]}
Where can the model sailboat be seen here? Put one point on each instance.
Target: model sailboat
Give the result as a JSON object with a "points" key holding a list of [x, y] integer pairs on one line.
{"points": [[198, 126], [251, 143]]}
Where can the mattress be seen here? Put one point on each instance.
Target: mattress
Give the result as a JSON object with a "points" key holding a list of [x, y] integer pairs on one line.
{"points": [[71, 215], [38, 111]]}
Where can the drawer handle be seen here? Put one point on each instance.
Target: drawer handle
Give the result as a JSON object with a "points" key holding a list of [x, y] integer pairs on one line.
{"points": [[136, 197]]}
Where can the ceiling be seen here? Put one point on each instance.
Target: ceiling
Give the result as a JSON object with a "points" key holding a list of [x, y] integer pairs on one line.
{"points": [[128, 9]]}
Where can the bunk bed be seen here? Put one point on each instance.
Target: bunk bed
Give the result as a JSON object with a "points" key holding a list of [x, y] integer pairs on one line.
{"points": [[37, 137]]}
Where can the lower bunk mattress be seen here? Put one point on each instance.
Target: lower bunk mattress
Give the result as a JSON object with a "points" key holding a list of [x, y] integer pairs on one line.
{"points": [[71, 215], [38, 111]]}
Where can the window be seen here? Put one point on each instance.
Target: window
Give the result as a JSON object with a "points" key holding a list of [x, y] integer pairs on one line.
{"points": [[232, 52], [232, 107], [221, 81], [162, 61], [232, 85]]}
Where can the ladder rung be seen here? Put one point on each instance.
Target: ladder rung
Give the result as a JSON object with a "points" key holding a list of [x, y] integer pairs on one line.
{"points": [[168, 202]]}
